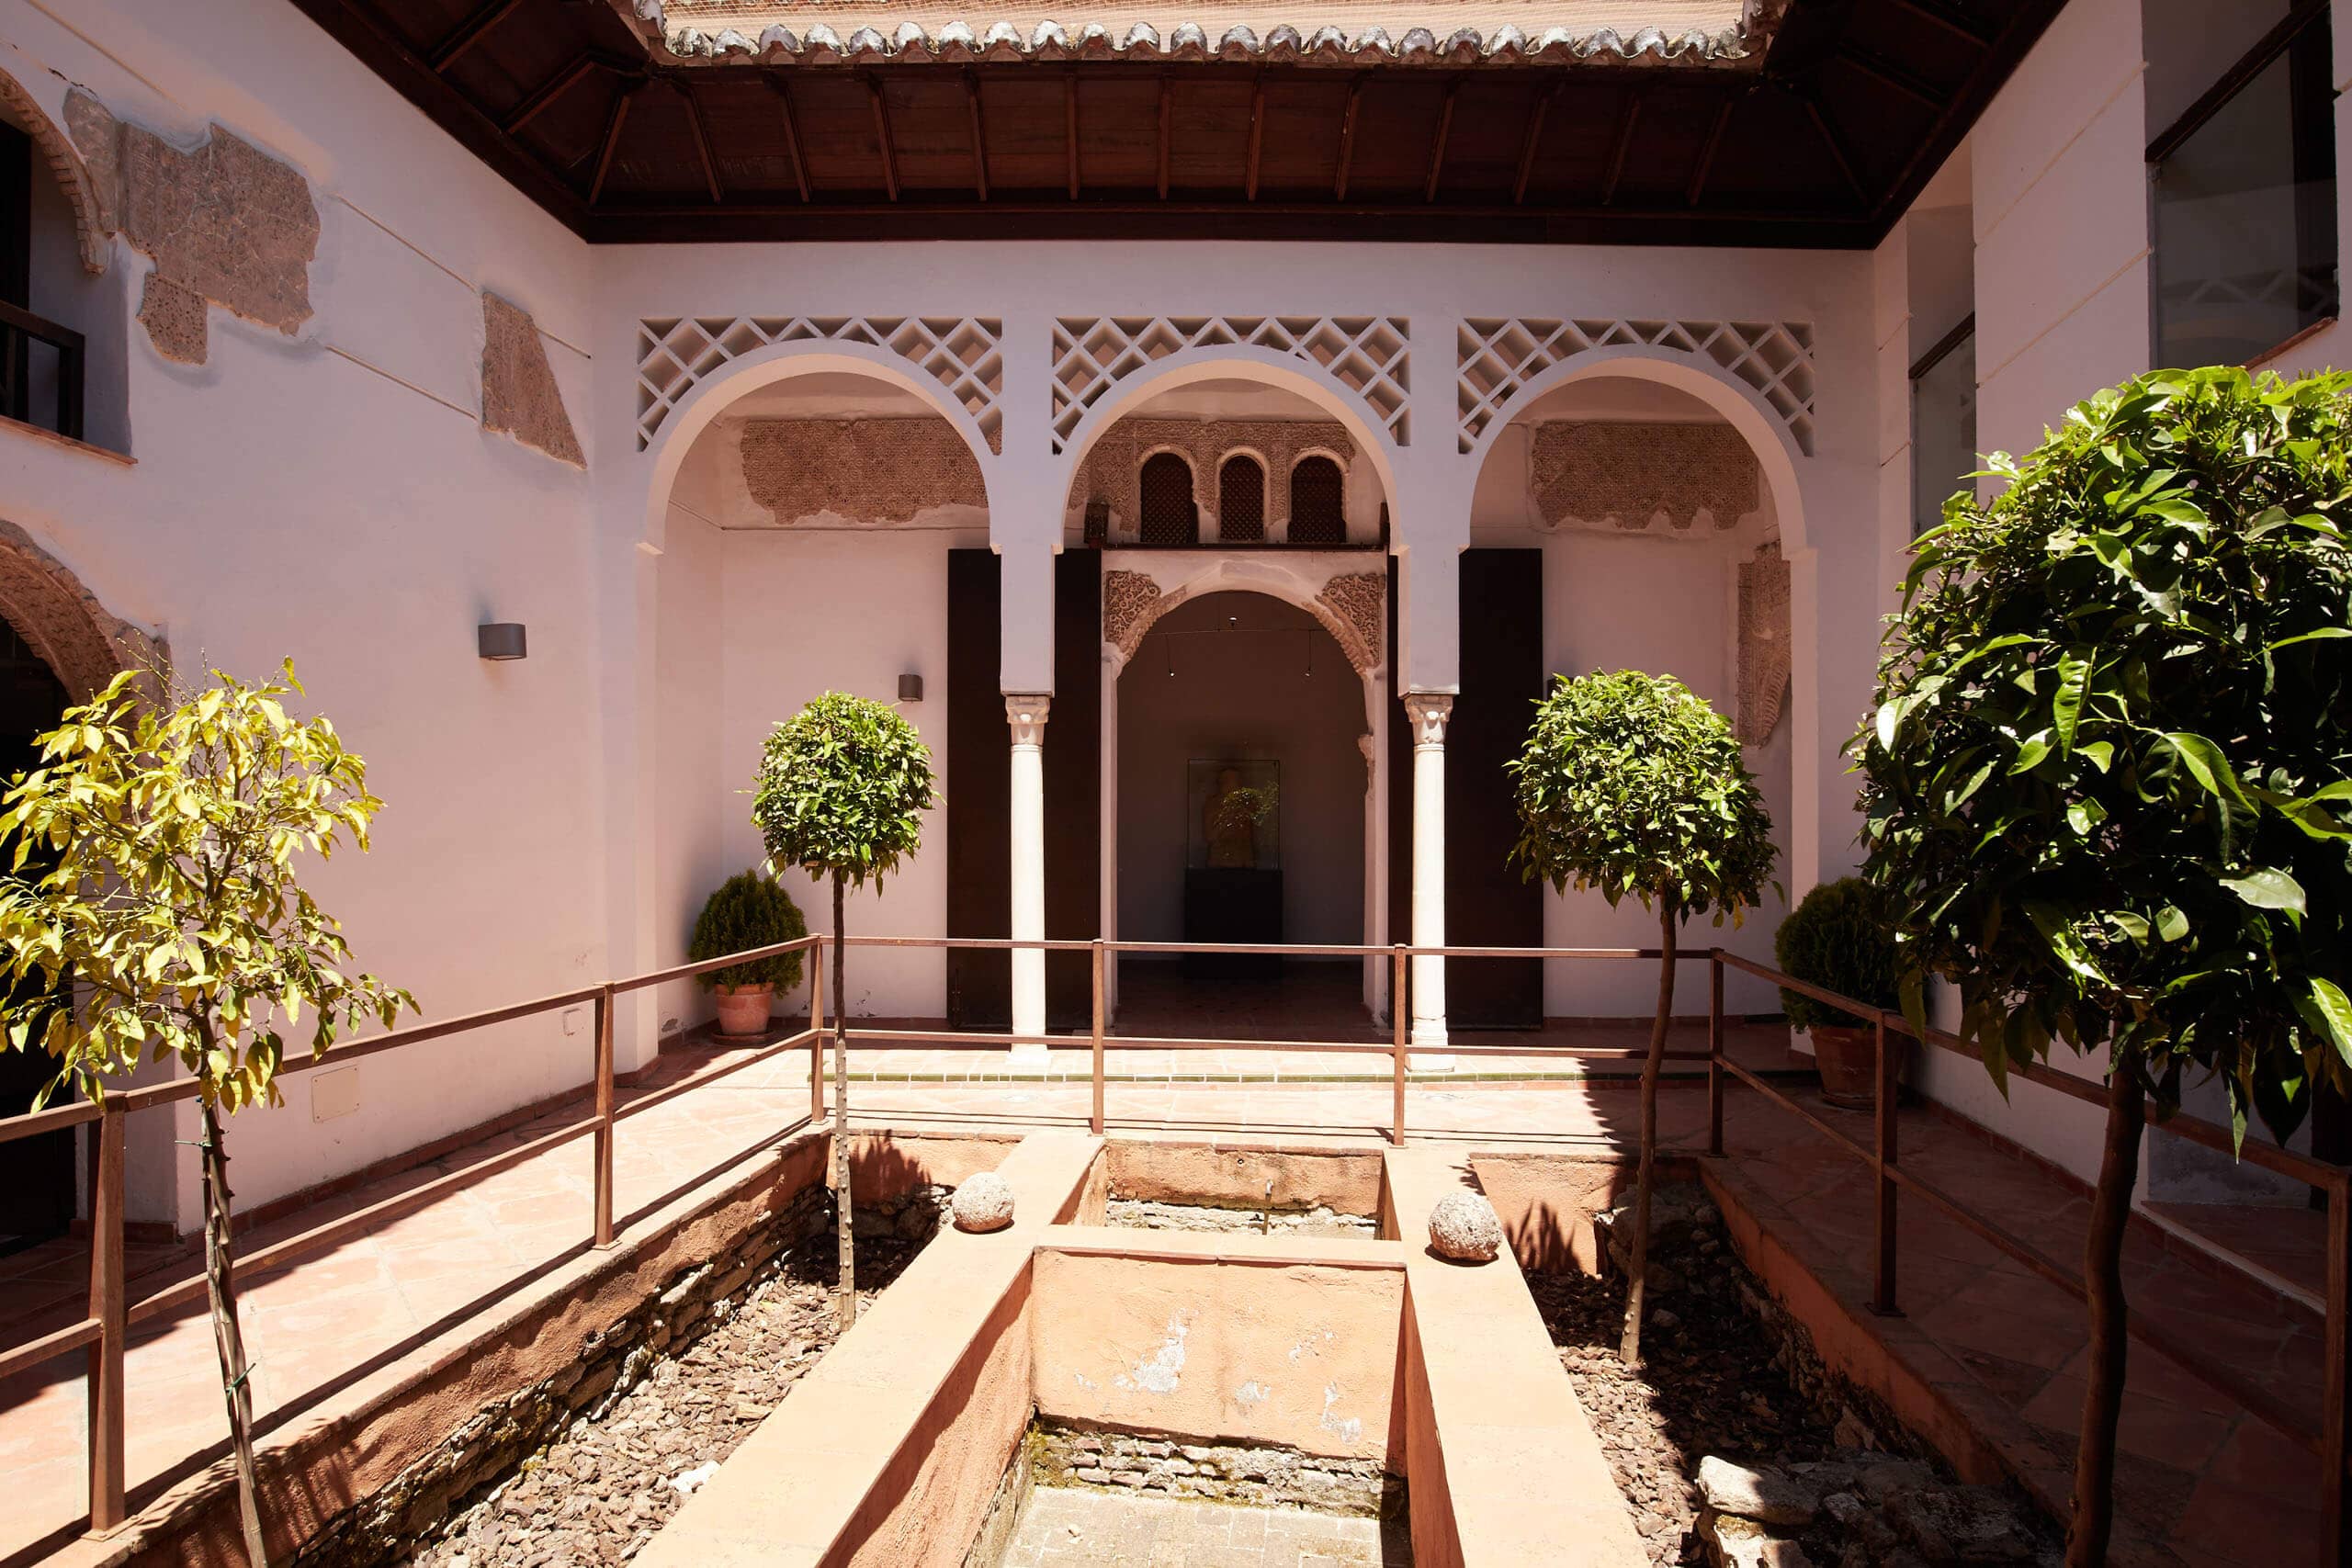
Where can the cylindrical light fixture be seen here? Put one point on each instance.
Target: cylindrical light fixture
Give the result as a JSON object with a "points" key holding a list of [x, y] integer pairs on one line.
{"points": [[500, 639], [911, 688]]}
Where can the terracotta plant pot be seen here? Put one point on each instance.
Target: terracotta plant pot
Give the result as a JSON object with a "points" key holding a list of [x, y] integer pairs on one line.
{"points": [[1846, 1059], [744, 1010]]}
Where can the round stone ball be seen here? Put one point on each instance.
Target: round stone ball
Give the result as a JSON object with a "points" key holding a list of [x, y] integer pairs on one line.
{"points": [[1464, 1227], [982, 1204]]}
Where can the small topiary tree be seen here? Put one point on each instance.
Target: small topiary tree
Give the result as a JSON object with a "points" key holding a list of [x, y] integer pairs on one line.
{"points": [[749, 910], [2109, 777], [842, 788], [168, 923], [1839, 938], [1631, 785]]}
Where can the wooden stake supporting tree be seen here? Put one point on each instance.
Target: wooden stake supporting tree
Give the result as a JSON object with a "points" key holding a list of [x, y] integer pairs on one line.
{"points": [[842, 788], [168, 923], [1630, 785], [2109, 778]]}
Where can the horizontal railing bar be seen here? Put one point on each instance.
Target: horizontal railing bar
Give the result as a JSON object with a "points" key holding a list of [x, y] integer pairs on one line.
{"points": [[54, 333], [360, 1220], [712, 966], [2196, 1129], [56, 1119], [1171, 1042], [48, 1347], [708, 1075]]}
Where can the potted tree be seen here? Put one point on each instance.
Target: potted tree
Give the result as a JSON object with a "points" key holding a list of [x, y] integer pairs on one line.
{"points": [[1631, 785], [1840, 938], [749, 910], [842, 788], [2109, 779], [169, 830]]}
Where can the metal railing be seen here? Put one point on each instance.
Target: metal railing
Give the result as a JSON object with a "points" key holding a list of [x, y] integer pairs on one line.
{"points": [[1883, 1156], [19, 330], [103, 1331]]}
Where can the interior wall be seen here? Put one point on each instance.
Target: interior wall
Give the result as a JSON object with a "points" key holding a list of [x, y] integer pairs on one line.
{"points": [[1243, 696], [696, 807], [808, 613], [67, 293]]}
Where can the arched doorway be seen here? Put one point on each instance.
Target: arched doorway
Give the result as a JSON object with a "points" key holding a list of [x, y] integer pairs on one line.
{"points": [[1241, 802], [36, 1174]]}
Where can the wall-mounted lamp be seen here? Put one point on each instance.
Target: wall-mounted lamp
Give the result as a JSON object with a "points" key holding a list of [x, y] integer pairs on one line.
{"points": [[911, 688], [500, 639]]}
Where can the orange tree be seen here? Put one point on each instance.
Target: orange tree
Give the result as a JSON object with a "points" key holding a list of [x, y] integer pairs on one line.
{"points": [[2108, 778], [153, 911], [1630, 785]]}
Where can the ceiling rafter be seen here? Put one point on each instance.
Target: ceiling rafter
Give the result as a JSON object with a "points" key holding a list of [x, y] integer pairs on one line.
{"points": [[1706, 164], [468, 33], [1531, 141], [1887, 71], [703, 153], [548, 92], [1347, 139], [791, 118], [1950, 18], [1070, 128], [1257, 135], [1166, 116], [614, 123], [980, 135], [1629, 114], [882, 137], [1437, 143]]}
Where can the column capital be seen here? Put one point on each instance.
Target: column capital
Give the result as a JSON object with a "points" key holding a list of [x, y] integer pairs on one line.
{"points": [[1025, 711], [1429, 712]]}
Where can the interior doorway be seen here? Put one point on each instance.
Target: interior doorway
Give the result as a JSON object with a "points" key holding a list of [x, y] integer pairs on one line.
{"points": [[37, 1189], [1241, 789]]}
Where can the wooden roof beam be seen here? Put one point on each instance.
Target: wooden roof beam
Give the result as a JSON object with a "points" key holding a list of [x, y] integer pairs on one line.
{"points": [[1628, 114], [979, 136], [1950, 17], [554, 87], [1706, 164], [1887, 71], [882, 137], [1527, 147], [611, 144], [791, 130], [1166, 129], [468, 33], [1837, 151], [702, 142], [1257, 135], [1347, 139], [1444, 134], [1069, 130]]}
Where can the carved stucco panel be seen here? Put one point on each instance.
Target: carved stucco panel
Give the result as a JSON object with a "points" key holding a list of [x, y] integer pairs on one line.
{"points": [[1130, 604], [1114, 468], [1357, 601], [868, 470], [1594, 472], [1764, 645]]}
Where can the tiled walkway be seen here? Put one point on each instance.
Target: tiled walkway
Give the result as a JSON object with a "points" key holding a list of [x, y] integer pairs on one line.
{"points": [[1072, 1527], [2204, 1482]]}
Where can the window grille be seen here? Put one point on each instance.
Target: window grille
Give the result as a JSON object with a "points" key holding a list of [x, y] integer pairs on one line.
{"points": [[1169, 516], [1317, 512], [1241, 502]]}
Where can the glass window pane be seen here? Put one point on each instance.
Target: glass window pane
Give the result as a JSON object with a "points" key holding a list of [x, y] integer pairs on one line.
{"points": [[2245, 217], [1943, 433]]}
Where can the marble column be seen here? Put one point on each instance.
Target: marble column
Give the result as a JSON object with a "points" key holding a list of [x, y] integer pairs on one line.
{"points": [[1428, 711], [1025, 712]]}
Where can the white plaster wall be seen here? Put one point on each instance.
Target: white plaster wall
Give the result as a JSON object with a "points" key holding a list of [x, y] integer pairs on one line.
{"points": [[332, 497], [806, 614], [697, 805], [1243, 696]]}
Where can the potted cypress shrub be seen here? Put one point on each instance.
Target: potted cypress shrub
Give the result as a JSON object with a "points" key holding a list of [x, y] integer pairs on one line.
{"points": [[1840, 938], [749, 910]]}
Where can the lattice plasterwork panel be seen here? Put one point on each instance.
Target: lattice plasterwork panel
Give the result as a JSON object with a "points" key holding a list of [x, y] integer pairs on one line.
{"points": [[1497, 356], [961, 352], [1366, 355]]}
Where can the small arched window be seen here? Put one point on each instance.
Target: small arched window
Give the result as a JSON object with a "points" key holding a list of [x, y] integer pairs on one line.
{"points": [[1170, 516], [1317, 511], [1241, 502]]}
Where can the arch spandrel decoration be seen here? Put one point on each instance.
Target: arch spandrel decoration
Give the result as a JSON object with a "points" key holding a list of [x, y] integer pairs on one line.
{"points": [[1352, 606], [62, 621], [1495, 357], [961, 352], [1367, 357]]}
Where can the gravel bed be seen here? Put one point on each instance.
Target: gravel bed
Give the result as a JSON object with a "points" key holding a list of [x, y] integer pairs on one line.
{"points": [[618, 1474]]}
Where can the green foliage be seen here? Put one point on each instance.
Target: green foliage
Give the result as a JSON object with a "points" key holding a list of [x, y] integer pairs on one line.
{"points": [[749, 910], [2110, 775], [1631, 785], [153, 867], [842, 787], [1840, 938]]}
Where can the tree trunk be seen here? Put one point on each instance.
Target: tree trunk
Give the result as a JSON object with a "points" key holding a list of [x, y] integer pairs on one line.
{"points": [[221, 1285], [1629, 1349], [2119, 1172], [845, 1286]]}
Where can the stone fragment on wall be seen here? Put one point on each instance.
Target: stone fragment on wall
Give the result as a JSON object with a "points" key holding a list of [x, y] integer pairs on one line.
{"points": [[1593, 472], [1764, 651], [518, 391], [1112, 473], [224, 222], [865, 470]]}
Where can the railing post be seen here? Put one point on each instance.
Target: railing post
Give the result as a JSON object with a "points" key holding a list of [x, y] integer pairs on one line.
{"points": [[1715, 1052], [817, 1034], [108, 1304], [1397, 1013], [2335, 1535], [1882, 1244], [605, 1117], [1095, 1120]]}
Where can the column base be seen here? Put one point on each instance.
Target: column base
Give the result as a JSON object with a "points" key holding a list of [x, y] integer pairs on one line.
{"points": [[1031, 1055], [1427, 1053]]}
